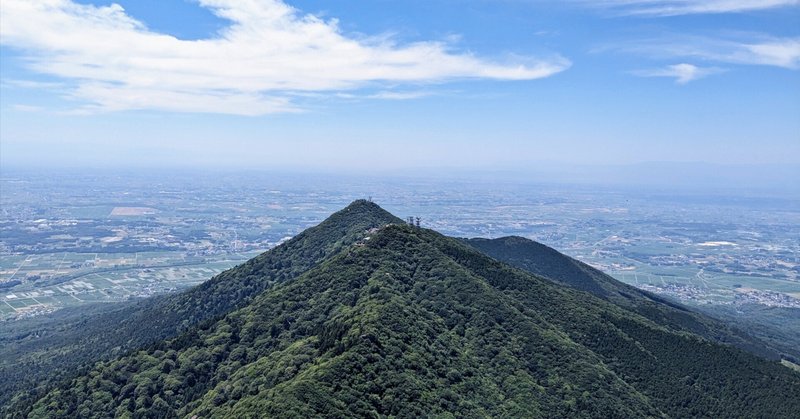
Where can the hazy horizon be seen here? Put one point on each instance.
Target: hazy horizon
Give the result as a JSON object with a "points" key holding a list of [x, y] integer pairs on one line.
{"points": [[674, 176]]}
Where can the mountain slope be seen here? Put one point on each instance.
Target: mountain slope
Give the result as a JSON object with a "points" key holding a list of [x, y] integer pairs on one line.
{"points": [[412, 323], [35, 359], [547, 262]]}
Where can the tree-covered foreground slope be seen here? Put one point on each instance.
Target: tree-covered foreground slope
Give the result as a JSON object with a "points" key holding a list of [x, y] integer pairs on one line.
{"points": [[547, 262], [33, 357], [409, 323]]}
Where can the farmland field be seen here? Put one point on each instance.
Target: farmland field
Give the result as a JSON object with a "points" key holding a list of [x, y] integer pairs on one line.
{"points": [[76, 278]]}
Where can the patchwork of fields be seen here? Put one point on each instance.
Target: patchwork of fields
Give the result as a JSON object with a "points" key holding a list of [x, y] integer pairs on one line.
{"points": [[139, 235], [68, 279]]}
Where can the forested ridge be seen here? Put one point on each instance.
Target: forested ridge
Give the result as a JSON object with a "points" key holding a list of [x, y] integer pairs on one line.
{"points": [[545, 261], [405, 323], [41, 351]]}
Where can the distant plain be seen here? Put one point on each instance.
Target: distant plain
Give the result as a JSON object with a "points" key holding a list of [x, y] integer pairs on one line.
{"points": [[135, 235]]}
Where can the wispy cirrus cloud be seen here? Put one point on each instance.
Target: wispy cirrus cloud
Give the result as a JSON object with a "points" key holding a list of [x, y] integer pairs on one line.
{"points": [[682, 73], [656, 8], [268, 54], [389, 95], [30, 84], [755, 50]]}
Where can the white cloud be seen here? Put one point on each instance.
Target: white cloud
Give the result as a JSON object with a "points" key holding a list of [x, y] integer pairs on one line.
{"points": [[760, 50], [388, 95], [30, 84], [269, 53], [686, 7], [683, 73], [781, 53]]}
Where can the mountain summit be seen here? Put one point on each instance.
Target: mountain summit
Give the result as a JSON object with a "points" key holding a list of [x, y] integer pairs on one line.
{"points": [[390, 320]]}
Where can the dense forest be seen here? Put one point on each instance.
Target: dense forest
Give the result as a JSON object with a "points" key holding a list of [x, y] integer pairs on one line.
{"points": [[547, 262], [778, 327], [37, 352], [385, 319]]}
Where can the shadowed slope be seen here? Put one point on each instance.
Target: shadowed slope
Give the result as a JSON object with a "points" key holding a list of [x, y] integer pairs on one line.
{"points": [[547, 262]]}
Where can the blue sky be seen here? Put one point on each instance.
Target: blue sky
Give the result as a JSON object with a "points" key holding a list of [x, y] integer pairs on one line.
{"points": [[398, 84]]}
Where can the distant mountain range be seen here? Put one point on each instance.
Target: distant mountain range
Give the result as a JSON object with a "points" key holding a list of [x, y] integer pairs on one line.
{"points": [[366, 316]]}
